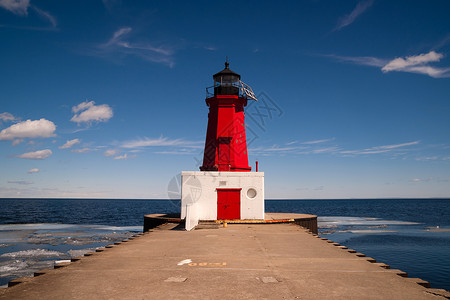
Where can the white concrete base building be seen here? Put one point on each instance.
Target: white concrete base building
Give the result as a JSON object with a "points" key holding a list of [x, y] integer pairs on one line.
{"points": [[221, 196]]}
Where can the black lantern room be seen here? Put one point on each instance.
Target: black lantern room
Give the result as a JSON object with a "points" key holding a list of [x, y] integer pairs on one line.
{"points": [[226, 82]]}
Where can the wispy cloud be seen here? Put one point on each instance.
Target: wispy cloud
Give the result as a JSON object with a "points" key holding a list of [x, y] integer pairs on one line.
{"points": [[361, 60], [69, 144], [396, 145], [428, 158], [325, 150], [110, 152], [20, 8], [421, 179], [277, 150], [111, 4], [360, 8], [320, 147], [124, 156], [178, 152], [22, 182], [40, 154], [419, 64], [7, 117], [34, 170], [83, 150], [317, 141], [379, 149], [442, 42], [120, 44], [161, 141], [46, 15]]}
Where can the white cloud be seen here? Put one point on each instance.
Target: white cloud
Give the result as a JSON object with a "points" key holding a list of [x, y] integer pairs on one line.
{"points": [[397, 145], [41, 154], [22, 182], [110, 152], [380, 149], [7, 117], [317, 141], [29, 129], [418, 64], [401, 63], [325, 150], [87, 112], [117, 44], [360, 8], [161, 141], [18, 7], [276, 148], [69, 144], [35, 170], [368, 151], [428, 158], [81, 150]]}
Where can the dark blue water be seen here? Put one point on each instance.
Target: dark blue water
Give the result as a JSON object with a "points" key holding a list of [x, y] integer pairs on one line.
{"points": [[408, 234]]}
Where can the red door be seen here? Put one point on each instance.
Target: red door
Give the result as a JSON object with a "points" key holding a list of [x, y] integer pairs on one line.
{"points": [[228, 204]]}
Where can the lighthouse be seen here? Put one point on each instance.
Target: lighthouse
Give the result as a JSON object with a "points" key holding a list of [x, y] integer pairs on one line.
{"points": [[225, 188], [226, 145]]}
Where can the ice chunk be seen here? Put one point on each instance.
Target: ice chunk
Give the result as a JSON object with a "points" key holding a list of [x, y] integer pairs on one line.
{"points": [[325, 222], [34, 253]]}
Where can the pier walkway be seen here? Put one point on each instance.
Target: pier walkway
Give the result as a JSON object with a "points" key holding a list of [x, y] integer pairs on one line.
{"points": [[241, 261]]}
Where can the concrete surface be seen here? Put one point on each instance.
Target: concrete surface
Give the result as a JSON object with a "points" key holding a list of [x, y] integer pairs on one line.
{"points": [[241, 261]]}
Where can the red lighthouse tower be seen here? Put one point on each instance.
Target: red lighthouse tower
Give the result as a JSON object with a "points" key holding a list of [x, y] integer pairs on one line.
{"points": [[226, 145]]}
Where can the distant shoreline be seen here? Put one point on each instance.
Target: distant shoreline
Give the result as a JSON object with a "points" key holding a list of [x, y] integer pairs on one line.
{"points": [[283, 199]]}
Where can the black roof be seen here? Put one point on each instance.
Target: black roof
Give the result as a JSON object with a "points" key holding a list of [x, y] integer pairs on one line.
{"points": [[226, 71]]}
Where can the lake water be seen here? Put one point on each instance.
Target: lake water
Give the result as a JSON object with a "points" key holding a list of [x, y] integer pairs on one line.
{"points": [[412, 235]]}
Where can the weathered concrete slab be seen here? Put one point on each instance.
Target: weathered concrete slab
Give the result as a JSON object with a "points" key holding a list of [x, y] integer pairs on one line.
{"points": [[242, 261]]}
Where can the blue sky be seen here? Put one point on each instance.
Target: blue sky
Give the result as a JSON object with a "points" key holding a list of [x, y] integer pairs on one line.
{"points": [[105, 99]]}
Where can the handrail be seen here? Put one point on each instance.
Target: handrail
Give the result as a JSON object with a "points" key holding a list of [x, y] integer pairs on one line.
{"points": [[245, 90]]}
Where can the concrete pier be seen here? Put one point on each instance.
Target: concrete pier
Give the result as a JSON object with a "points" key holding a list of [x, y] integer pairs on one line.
{"points": [[240, 261]]}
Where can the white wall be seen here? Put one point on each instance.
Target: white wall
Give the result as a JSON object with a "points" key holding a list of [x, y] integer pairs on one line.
{"points": [[200, 188]]}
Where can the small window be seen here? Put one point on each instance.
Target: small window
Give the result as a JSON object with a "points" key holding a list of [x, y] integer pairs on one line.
{"points": [[251, 193]]}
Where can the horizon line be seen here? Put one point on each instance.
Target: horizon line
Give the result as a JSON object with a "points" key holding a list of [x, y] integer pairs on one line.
{"points": [[273, 199]]}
